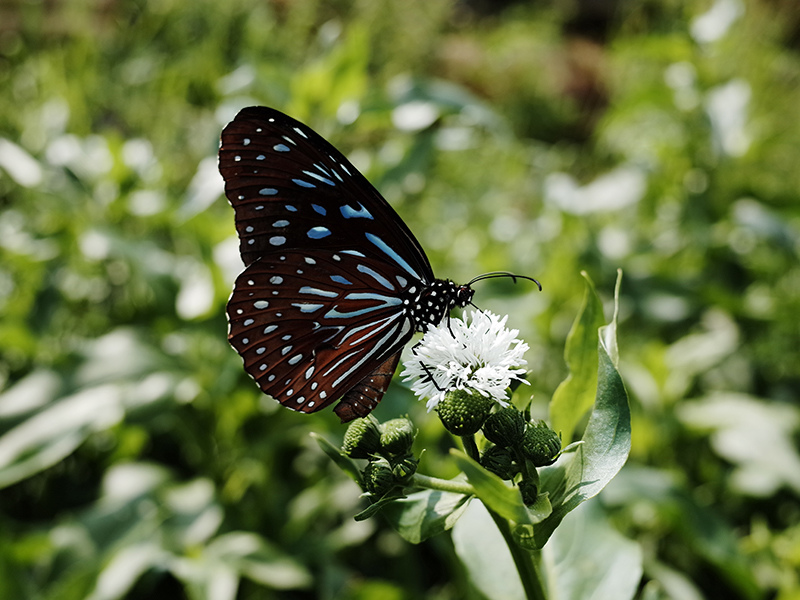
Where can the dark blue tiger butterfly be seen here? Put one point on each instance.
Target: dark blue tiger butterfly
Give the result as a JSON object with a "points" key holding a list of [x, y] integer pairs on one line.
{"points": [[335, 283]]}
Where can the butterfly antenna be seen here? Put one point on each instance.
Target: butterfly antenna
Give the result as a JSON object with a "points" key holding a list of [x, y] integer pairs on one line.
{"points": [[496, 274]]}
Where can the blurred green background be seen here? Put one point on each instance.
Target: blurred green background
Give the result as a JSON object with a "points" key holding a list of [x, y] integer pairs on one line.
{"points": [[137, 460]]}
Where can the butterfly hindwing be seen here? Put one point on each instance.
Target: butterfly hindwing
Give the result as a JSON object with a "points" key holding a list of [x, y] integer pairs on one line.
{"points": [[360, 400], [310, 329]]}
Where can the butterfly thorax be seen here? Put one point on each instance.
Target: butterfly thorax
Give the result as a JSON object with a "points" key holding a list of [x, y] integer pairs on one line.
{"points": [[435, 301]]}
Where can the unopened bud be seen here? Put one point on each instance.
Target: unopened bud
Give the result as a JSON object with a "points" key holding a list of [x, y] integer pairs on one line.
{"points": [[362, 438], [506, 427], [405, 469], [378, 477], [499, 461], [540, 444], [397, 436], [529, 490], [464, 411]]}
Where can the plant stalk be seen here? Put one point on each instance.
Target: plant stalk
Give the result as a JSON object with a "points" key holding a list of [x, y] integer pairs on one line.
{"points": [[443, 485], [527, 562], [471, 448]]}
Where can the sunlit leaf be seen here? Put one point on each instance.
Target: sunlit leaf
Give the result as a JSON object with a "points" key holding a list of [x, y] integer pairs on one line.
{"points": [[587, 559], [484, 553], [700, 529], [500, 496], [424, 514], [580, 475], [575, 395]]}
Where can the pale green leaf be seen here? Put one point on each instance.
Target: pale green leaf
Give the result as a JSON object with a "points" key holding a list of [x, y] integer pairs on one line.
{"points": [[587, 559], [575, 395], [500, 496], [424, 514]]}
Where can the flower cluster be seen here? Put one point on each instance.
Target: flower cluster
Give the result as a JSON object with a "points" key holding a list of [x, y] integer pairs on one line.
{"points": [[483, 356], [387, 448]]}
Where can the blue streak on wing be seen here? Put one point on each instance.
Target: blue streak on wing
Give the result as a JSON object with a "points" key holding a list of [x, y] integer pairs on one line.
{"points": [[319, 177], [392, 254], [306, 289], [385, 302], [307, 307], [376, 276]]}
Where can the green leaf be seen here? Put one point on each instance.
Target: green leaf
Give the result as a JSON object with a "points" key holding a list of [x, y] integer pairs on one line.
{"points": [[259, 560], [484, 553], [702, 530], [345, 463], [575, 395], [607, 440], [373, 508], [424, 514], [587, 559], [57, 425], [498, 496]]}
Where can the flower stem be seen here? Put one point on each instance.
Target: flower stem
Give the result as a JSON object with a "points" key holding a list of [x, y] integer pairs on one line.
{"points": [[527, 562], [443, 485], [470, 447]]}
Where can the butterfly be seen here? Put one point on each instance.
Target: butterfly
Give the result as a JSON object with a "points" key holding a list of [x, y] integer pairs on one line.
{"points": [[335, 284]]}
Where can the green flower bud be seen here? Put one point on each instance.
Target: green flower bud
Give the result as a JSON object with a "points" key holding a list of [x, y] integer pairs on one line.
{"points": [[529, 491], [378, 477], [404, 470], [464, 411], [499, 461], [397, 436], [540, 444], [362, 438], [505, 428]]}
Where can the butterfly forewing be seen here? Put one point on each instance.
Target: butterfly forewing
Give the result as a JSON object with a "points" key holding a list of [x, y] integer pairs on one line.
{"points": [[291, 189], [313, 326]]}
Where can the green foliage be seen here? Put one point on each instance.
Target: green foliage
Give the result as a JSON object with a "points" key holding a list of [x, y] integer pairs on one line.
{"points": [[575, 395], [527, 506], [663, 140]]}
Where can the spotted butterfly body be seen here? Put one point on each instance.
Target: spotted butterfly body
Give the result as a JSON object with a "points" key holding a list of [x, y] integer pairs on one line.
{"points": [[335, 284]]}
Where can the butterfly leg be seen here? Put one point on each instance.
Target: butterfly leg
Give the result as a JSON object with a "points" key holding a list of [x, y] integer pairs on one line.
{"points": [[425, 368]]}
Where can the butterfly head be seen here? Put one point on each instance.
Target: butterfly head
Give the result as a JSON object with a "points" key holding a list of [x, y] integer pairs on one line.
{"points": [[462, 296]]}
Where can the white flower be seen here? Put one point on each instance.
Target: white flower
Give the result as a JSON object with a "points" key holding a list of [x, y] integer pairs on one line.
{"points": [[483, 356]]}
